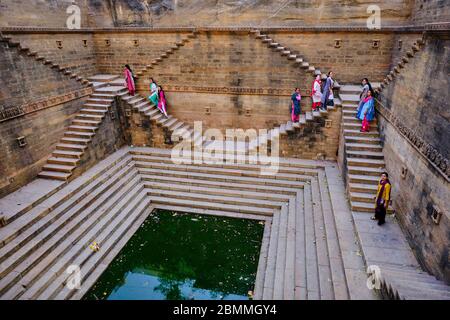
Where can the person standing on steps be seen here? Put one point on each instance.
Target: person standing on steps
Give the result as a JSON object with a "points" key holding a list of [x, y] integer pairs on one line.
{"points": [[129, 80], [363, 95], [295, 108], [162, 101], [327, 90], [382, 199], [316, 94], [367, 112], [153, 92]]}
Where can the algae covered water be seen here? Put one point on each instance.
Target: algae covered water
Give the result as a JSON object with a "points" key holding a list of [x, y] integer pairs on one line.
{"points": [[180, 256]]}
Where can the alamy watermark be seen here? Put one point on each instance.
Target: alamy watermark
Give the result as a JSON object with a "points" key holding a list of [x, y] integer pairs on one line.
{"points": [[374, 20], [239, 146], [74, 20]]}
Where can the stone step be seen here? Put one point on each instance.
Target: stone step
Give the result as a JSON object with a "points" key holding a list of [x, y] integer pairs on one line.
{"points": [[93, 117], [58, 168], [63, 161], [67, 154], [362, 197], [357, 126], [211, 205], [362, 139], [362, 170], [365, 154], [363, 147], [79, 134], [366, 179], [78, 141], [96, 106], [222, 190], [100, 101], [366, 162], [218, 199], [362, 188], [62, 176], [349, 97], [82, 128], [221, 178], [231, 172], [362, 206], [89, 111], [71, 147], [85, 122]]}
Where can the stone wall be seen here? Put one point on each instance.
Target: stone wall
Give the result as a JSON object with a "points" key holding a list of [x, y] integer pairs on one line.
{"points": [[232, 75], [75, 51], [115, 49], [430, 11], [415, 128], [24, 80], [110, 13]]}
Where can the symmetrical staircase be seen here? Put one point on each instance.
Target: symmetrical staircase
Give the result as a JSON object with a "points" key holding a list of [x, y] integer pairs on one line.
{"points": [[301, 255], [79, 134]]}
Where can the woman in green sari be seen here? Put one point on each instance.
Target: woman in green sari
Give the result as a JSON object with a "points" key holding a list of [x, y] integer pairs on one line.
{"points": [[153, 92]]}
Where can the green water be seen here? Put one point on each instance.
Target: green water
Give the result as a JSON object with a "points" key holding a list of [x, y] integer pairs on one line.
{"points": [[178, 256]]}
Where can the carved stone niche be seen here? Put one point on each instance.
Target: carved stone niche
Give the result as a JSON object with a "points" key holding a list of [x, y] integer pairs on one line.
{"points": [[337, 43], [328, 123], [85, 43], [59, 44], [376, 43], [400, 44], [248, 112], [108, 42], [404, 172], [112, 114], [208, 110], [128, 112], [21, 141], [136, 43], [436, 214]]}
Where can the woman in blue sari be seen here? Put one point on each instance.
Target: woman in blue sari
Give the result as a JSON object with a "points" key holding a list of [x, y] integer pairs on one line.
{"points": [[367, 112]]}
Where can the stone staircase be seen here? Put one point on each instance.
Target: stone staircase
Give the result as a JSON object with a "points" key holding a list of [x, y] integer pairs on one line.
{"points": [[363, 152], [401, 64], [400, 275], [72, 146], [290, 54], [305, 253], [42, 59], [166, 54]]}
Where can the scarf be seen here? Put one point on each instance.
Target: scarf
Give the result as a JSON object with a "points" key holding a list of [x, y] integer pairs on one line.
{"points": [[367, 99], [380, 194]]}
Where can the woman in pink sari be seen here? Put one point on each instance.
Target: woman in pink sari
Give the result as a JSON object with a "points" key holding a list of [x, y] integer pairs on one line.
{"points": [[129, 81], [162, 101]]}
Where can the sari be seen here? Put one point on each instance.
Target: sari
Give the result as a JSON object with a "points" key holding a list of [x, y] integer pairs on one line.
{"points": [[316, 95], [295, 112], [368, 109], [162, 102], [327, 90], [129, 81], [154, 94], [362, 97]]}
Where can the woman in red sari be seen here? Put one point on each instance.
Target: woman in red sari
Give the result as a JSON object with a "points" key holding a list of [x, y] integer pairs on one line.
{"points": [[129, 80], [316, 95]]}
